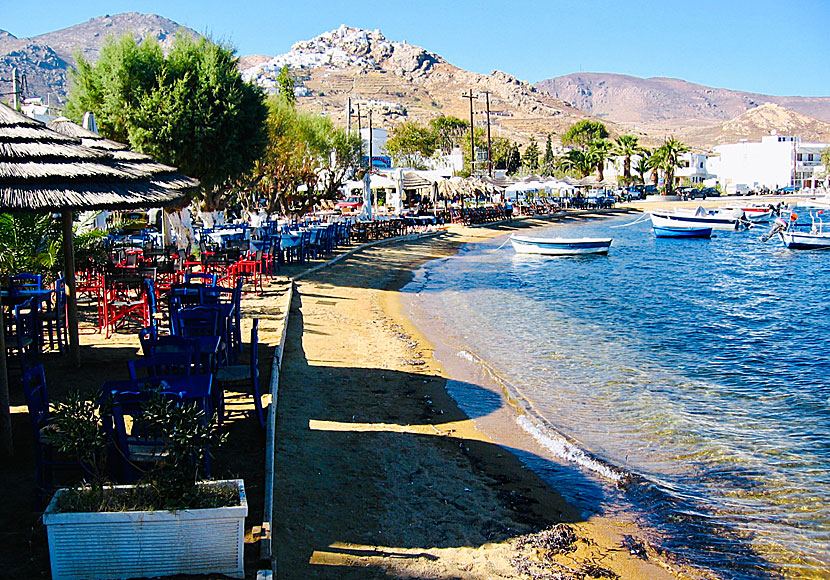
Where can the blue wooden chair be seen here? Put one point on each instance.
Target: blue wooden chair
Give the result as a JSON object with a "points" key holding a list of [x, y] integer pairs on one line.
{"points": [[37, 401], [161, 365], [22, 338], [196, 321], [245, 376], [201, 278], [25, 281], [53, 321]]}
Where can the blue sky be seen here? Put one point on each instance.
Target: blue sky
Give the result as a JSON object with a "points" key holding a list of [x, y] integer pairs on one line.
{"points": [[778, 47]]}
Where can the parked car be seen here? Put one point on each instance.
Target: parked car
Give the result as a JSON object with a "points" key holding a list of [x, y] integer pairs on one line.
{"points": [[349, 204], [710, 192]]}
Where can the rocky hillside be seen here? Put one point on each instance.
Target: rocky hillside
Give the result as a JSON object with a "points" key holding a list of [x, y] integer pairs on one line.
{"points": [[663, 103], [757, 122], [402, 82], [45, 59]]}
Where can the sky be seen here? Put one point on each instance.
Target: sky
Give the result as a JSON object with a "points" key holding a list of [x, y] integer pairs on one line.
{"points": [[774, 47]]}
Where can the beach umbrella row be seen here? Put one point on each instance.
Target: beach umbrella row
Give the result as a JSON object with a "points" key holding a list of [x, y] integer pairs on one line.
{"points": [[42, 169]]}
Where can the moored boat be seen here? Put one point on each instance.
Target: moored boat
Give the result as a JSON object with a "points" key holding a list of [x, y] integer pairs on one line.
{"points": [[731, 220], [793, 239], [682, 231], [560, 246]]}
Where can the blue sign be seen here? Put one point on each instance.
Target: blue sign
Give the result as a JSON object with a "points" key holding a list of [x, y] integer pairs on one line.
{"points": [[379, 161]]}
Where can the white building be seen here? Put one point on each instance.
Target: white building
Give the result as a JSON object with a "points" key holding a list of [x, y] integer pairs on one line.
{"points": [[777, 161], [692, 169]]}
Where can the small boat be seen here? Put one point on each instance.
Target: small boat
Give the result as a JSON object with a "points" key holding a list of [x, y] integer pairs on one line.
{"points": [[682, 232], [815, 239], [560, 246], [731, 220], [806, 240]]}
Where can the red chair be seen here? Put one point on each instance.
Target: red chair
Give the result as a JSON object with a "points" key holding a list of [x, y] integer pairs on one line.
{"points": [[125, 302], [251, 268]]}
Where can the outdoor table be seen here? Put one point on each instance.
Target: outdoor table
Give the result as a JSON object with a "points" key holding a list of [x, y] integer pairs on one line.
{"points": [[12, 298], [209, 346]]}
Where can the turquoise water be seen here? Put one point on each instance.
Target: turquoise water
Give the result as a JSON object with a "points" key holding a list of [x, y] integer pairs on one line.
{"points": [[691, 373]]}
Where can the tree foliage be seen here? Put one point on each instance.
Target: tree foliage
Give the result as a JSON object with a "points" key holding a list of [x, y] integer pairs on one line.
{"points": [[530, 157], [190, 109], [410, 144], [583, 133], [667, 158], [303, 149], [627, 146], [448, 132]]}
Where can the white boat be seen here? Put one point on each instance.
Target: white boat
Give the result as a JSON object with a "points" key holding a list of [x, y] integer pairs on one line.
{"points": [[560, 246], [719, 220], [815, 239]]}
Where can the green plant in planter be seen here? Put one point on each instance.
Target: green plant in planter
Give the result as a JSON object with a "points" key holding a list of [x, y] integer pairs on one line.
{"points": [[170, 484]]}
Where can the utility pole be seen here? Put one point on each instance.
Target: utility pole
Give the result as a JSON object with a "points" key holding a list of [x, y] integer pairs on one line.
{"points": [[15, 90], [470, 96], [370, 140], [359, 128], [489, 142], [349, 116]]}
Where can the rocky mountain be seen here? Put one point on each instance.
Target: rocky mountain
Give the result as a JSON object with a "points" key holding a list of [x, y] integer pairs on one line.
{"points": [[45, 59], [400, 82], [766, 119], [664, 103]]}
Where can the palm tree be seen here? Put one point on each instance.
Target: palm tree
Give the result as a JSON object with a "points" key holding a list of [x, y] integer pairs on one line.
{"points": [[575, 162], [626, 146], [641, 165], [598, 151], [669, 154]]}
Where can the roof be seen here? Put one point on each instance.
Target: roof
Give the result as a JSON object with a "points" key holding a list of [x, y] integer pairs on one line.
{"points": [[72, 168]]}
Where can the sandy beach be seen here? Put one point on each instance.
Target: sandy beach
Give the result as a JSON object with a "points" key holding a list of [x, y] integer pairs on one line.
{"points": [[380, 474]]}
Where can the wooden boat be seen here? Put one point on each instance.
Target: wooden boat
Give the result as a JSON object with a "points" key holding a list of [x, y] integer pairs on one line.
{"points": [[560, 246], [682, 231], [701, 218]]}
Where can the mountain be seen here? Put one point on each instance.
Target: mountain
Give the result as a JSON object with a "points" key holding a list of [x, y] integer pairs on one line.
{"points": [[403, 82], [46, 59], [766, 119], [664, 103]]}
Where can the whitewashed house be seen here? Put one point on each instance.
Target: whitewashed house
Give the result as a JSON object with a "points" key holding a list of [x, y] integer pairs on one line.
{"points": [[777, 161]]}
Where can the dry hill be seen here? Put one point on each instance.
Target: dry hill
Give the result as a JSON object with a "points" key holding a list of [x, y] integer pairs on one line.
{"points": [[664, 103], [45, 59]]}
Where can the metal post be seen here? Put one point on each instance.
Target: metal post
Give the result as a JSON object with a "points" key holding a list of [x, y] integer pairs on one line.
{"points": [[71, 297], [15, 90], [349, 116]]}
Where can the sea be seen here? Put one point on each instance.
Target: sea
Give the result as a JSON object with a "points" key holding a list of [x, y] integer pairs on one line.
{"points": [[684, 381]]}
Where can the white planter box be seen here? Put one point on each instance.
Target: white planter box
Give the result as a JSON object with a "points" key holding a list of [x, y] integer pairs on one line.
{"points": [[110, 545]]}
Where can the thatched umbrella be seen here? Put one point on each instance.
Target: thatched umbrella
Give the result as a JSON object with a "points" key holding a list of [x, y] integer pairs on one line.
{"points": [[43, 170]]}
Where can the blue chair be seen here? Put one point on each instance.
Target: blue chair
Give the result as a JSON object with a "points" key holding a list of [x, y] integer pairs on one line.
{"points": [[161, 365], [37, 401], [196, 321], [138, 447], [22, 338], [25, 282], [245, 376], [201, 278], [53, 321]]}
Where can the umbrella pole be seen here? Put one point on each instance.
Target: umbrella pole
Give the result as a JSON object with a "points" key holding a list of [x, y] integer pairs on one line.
{"points": [[71, 297], [6, 443]]}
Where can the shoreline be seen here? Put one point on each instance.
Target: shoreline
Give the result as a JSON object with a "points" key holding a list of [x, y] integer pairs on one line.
{"points": [[361, 299]]}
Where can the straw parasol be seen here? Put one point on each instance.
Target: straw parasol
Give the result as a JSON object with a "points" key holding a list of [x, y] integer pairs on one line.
{"points": [[44, 170]]}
